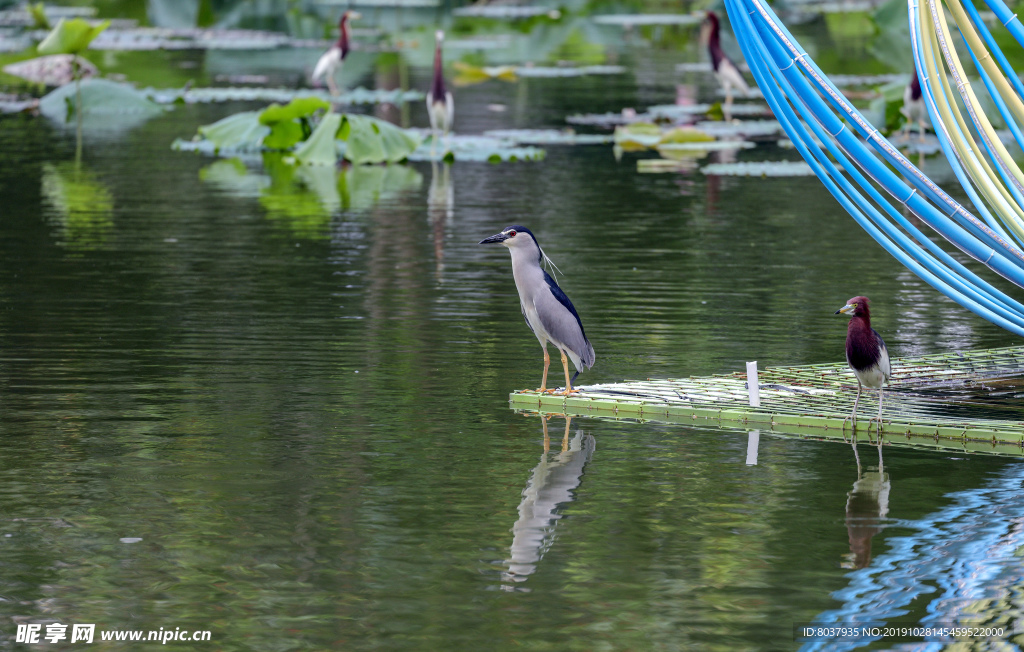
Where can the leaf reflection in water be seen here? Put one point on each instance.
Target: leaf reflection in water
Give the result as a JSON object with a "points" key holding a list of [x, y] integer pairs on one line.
{"points": [[82, 207], [305, 197]]}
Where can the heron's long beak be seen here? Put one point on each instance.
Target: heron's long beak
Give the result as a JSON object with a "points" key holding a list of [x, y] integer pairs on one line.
{"points": [[354, 15], [847, 309], [497, 237]]}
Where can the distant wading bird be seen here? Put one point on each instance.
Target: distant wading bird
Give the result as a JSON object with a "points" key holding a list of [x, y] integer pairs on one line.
{"points": [[866, 354], [913, 106], [330, 62], [727, 73], [548, 312], [440, 103]]}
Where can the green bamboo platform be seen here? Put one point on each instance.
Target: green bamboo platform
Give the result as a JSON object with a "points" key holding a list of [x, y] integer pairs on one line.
{"points": [[965, 401]]}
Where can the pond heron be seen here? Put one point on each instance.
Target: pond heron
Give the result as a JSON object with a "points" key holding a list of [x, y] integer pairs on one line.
{"points": [[866, 354], [913, 106], [330, 61], [440, 104], [727, 72], [548, 312]]}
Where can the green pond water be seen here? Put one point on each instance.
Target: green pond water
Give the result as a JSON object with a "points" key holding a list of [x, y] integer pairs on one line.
{"points": [[226, 405]]}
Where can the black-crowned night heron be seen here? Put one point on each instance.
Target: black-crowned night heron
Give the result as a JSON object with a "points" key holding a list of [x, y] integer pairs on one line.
{"points": [[727, 72], [548, 312], [440, 103], [913, 106], [330, 62], [866, 354]]}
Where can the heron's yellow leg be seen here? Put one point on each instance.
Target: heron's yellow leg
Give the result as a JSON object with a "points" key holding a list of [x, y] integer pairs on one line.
{"points": [[565, 365], [544, 378]]}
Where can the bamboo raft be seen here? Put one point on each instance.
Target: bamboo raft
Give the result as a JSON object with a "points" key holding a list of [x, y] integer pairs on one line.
{"points": [[963, 401]]}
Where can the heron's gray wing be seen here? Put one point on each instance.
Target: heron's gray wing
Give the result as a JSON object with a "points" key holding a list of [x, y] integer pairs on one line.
{"points": [[561, 321], [525, 318], [883, 357]]}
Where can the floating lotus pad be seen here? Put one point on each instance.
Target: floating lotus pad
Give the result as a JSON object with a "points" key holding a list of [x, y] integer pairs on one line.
{"points": [[488, 42], [694, 66], [475, 149], [867, 80], [659, 165], [667, 149], [568, 71], [548, 137], [674, 111], [641, 135], [913, 144], [630, 20], [51, 70], [737, 128], [22, 17], [843, 7], [606, 119], [106, 105], [255, 94], [759, 169], [504, 12]]}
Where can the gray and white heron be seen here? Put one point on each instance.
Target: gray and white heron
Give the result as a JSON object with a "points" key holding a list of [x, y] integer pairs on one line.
{"points": [[330, 62], [866, 354], [548, 312], [440, 103]]}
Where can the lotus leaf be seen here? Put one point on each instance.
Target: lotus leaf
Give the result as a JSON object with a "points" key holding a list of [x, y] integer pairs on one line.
{"points": [[238, 132], [102, 99], [300, 107], [699, 149], [71, 36], [289, 124], [468, 74], [370, 140], [641, 135], [320, 149], [38, 13], [686, 135]]}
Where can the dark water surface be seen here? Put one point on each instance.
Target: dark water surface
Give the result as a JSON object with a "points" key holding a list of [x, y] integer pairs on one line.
{"points": [[227, 406]]}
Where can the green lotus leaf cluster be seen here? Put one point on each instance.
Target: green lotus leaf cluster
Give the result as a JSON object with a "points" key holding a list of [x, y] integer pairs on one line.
{"points": [[294, 127]]}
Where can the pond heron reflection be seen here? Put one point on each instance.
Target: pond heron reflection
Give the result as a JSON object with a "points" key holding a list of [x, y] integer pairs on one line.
{"points": [[548, 311], [866, 354]]}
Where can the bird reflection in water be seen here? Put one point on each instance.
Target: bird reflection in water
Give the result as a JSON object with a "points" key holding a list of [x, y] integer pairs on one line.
{"points": [[440, 210], [550, 486], [867, 505]]}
